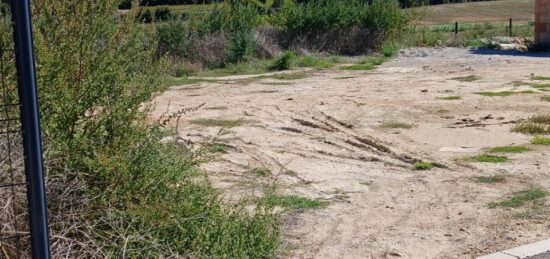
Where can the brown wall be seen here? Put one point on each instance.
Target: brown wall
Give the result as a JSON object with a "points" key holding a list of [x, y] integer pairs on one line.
{"points": [[542, 21]]}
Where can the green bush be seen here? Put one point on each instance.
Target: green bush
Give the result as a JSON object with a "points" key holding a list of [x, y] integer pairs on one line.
{"points": [[340, 26], [244, 18], [320, 16], [115, 190], [173, 39], [283, 62], [389, 49]]}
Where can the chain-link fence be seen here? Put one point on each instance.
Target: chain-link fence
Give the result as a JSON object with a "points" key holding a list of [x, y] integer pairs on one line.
{"points": [[20, 148], [14, 228]]}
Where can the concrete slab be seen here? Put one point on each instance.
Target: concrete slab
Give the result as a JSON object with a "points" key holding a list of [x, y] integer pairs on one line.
{"points": [[538, 250], [530, 249], [498, 255]]}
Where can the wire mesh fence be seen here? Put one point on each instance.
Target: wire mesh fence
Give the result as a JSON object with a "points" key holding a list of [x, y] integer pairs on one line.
{"points": [[14, 221]]}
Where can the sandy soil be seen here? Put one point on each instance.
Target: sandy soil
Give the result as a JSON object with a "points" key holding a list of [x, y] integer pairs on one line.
{"points": [[321, 138]]}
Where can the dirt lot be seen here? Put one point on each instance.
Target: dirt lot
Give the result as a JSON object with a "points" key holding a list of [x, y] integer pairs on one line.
{"points": [[322, 137]]}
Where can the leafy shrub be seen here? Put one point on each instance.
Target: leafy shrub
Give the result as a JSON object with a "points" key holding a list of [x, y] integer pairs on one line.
{"points": [[283, 62], [244, 18], [114, 189], [389, 49], [173, 38], [343, 26]]}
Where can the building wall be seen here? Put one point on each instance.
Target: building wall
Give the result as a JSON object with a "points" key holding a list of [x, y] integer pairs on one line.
{"points": [[542, 21]]}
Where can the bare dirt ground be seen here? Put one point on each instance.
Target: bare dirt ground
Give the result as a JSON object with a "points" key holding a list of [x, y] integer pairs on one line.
{"points": [[320, 136]]}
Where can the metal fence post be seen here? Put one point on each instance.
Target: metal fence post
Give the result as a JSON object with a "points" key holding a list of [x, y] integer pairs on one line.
{"points": [[30, 119], [456, 28], [510, 28]]}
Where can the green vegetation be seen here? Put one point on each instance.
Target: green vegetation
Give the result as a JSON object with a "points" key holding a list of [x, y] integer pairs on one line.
{"points": [[538, 124], [541, 78], [421, 166], [366, 63], [283, 62], [450, 98], [487, 159], [389, 49], [217, 148], [470, 78], [520, 198], [491, 179], [545, 98], [397, 125], [509, 149], [289, 76], [505, 93], [118, 191], [471, 34], [271, 199], [443, 111], [541, 141], [540, 86], [218, 123], [259, 171], [316, 62], [222, 35]]}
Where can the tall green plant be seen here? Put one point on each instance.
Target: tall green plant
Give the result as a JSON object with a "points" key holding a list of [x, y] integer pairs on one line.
{"points": [[115, 190]]}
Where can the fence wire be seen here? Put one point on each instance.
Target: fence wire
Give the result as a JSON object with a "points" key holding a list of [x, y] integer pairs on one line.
{"points": [[14, 222]]}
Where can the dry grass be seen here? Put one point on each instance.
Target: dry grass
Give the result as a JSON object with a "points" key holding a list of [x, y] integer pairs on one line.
{"points": [[538, 124], [470, 78], [480, 12], [397, 125]]}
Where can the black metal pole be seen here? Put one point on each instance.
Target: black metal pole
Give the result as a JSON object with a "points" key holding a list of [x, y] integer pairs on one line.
{"points": [[510, 27], [30, 120], [456, 28]]}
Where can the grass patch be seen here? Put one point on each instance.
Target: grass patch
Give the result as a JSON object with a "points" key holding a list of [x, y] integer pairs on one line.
{"points": [[520, 83], [509, 149], [487, 159], [542, 78], [260, 171], [470, 78], [537, 85], [289, 76], [491, 179], [538, 124], [545, 98], [443, 111], [314, 62], [367, 63], [397, 125], [541, 141], [217, 108], [532, 128], [359, 67], [520, 198], [272, 199], [450, 98], [217, 148], [423, 166], [218, 123], [505, 93], [244, 68]]}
